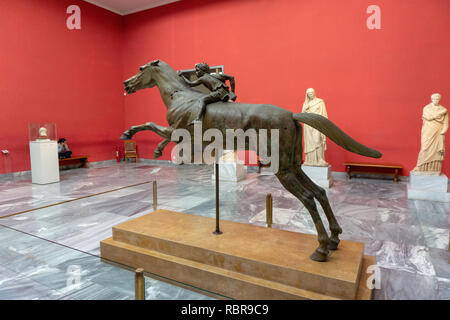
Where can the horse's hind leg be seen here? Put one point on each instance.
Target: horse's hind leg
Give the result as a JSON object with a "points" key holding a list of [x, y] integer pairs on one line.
{"points": [[319, 193], [321, 196], [289, 180]]}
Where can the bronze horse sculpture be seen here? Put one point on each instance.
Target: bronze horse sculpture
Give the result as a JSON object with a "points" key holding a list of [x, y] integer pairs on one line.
{"points": [[182, 107]]}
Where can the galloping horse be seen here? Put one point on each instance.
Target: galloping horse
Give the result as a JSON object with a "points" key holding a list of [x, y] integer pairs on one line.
{"points": [[182, 107]]}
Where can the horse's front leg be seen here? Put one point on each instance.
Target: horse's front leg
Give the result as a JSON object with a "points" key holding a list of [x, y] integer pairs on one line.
{"points": [[127, 135], [160, 148], [164, 132]]}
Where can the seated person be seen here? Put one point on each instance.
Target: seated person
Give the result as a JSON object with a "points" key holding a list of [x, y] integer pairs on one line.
{"points": [[63, 149]]}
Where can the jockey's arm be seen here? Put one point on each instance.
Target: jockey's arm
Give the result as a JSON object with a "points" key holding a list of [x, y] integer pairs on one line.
{"points": [[192, 83], [182, 73], [225, 77], [232, 83]]}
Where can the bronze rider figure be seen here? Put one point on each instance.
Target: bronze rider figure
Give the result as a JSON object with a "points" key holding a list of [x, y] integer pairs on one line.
{"points": [[215, 82]]}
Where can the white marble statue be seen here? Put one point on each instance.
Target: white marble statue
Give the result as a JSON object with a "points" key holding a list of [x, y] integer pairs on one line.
{"points": [[315, 142], [432, 150]]}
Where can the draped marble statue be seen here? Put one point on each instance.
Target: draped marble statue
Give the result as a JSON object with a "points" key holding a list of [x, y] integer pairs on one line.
{"points": [[315, 141], [432, 150]]}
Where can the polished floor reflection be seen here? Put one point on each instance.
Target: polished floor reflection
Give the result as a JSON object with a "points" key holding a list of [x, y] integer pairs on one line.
{"points": [[38, 247]]}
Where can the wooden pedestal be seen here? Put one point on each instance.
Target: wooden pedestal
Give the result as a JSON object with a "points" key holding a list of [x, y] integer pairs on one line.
{"points": [[245, 262]]}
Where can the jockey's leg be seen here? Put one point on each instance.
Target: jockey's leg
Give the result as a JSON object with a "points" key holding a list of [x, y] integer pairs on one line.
{"points": [[202, 110], [204, 101]]}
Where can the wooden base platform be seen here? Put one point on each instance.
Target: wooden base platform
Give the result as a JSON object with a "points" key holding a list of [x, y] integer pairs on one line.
{"points": [[245, 262]]}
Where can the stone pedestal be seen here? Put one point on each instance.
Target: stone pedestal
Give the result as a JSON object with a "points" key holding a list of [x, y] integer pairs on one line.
{"points": [[320, 175], [230, 172], [266, 171], [245, 262], [44, 161], [428, 187]]}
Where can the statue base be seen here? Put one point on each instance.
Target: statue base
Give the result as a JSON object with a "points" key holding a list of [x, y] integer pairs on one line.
{"points": [[44, 162], [244, 262], [319, 175], [428, 187]]}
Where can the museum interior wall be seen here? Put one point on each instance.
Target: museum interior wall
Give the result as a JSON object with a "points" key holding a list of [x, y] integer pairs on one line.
{"points": [[52, 74], [375, 83]]}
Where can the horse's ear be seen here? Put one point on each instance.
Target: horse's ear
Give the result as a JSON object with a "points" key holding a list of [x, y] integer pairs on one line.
{"points": [[154, 62]]}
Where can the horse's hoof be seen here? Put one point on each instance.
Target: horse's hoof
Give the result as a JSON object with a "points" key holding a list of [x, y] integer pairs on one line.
{"points": [[157, 154], [319, 256], [333, 244], [126, 136]]}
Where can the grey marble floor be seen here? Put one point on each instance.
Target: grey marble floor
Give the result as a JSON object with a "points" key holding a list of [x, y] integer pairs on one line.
{"points": [[409, 238]]}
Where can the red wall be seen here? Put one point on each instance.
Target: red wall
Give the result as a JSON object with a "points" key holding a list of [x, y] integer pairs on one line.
{"points": [[51, 74], [374, 82]]}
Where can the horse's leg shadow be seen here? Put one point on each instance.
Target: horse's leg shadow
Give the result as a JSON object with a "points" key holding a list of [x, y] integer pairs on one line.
{"points": [[290, 181], [321, 196]]}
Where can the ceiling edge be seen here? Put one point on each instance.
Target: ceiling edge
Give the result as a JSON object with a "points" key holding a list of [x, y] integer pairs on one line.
{"points": [[154, 5], [95, 3]]}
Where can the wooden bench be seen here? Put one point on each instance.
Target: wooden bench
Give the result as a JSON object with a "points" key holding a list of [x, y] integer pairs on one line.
{"points": [[82, 159], [392, 169]]}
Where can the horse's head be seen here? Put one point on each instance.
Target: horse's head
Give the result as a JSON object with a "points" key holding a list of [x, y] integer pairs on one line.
{"points": [[143, 79]]}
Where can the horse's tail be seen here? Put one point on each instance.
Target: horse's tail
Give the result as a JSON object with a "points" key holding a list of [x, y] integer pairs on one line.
{"points": [[329, 129]]}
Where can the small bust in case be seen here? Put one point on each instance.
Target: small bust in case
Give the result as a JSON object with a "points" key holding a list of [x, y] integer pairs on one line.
{"points": [[43, 134]]}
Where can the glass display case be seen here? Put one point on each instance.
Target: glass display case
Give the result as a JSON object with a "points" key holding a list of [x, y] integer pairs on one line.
{"points": [[42, 132]]}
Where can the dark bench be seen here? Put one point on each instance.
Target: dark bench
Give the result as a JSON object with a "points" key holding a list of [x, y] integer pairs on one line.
{"points": [[82, 159], [392, 169]]}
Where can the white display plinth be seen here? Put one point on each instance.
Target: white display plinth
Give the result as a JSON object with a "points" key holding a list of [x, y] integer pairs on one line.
{"points": [[44, 161], [319, 175], [229, 168], [426, 187], [266, 171], [230, 172]]}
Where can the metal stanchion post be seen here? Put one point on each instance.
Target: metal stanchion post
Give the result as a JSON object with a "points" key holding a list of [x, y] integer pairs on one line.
{"points": [[269, 210], [217, 231], [139, 284], [155, 196]]}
